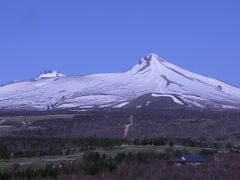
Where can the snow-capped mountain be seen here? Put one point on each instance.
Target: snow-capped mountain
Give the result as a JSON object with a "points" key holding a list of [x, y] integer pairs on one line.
{"points": [[152, 80]]}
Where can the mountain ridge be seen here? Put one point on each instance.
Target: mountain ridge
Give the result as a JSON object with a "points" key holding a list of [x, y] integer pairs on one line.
{"points": [[152, 75]]}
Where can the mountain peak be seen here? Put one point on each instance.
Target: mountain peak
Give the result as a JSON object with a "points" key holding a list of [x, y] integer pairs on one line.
{"points": [[49, 74], [151, 58]]}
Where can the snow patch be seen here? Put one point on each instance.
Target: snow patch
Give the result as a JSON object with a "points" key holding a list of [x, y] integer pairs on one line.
{"points": [[173, 98], [148, 103], [127, 126], [86, 107], [79, 110], [229, 107], [121, 105], [49, 74], [194, 103]]}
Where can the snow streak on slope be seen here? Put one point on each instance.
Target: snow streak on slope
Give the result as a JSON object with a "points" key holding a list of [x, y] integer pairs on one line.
{"points": [[174, 98], [53, 90]]}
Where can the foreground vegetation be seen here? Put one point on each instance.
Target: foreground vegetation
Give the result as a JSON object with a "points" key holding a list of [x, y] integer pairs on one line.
{"points": [[132, 167], [93, 158], [227, 168]]}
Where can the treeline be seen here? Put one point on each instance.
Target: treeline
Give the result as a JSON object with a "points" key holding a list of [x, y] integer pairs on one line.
{"points": [[30, 173], [199, 142], [16, 147], [20, 147]]}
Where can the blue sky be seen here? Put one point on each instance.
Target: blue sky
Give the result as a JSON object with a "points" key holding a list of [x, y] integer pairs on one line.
{"points": [[92, 36]]}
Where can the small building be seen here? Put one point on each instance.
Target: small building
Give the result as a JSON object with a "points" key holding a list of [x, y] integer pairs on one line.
{"points": [[191, 159]]}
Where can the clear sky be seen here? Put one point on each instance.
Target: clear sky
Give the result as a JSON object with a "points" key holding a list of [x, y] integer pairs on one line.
{"points": [[99, 36]]}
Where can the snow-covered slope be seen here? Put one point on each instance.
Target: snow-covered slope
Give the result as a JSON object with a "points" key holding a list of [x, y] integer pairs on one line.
{"points": [[51, 90]]}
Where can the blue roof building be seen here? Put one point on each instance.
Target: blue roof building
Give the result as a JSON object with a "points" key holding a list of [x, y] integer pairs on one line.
{"points": [[192, 159]]}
